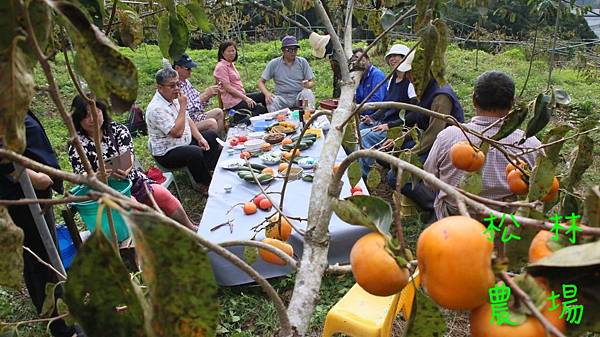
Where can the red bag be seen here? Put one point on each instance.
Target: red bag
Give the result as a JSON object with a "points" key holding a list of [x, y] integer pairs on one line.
{"points": [[156, 174]]}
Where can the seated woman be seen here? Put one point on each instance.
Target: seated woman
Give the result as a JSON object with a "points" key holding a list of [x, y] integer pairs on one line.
{"points": [[116, 140], [374, 127], [233, 94]]}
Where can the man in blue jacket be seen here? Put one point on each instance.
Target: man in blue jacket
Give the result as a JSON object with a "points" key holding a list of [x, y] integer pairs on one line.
{"points": [[371, 77]]}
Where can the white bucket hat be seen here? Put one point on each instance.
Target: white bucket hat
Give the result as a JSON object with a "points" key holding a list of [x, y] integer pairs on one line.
{"points": [[318, 43], [400, 49]]}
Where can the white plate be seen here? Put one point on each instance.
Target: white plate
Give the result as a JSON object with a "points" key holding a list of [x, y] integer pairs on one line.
{"points": [[256, 135], [307, 162], [239, 147], [232, 164]]}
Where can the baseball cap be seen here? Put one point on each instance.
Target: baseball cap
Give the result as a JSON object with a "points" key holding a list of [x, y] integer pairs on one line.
{"points": [[289, 41], [186, 61]]}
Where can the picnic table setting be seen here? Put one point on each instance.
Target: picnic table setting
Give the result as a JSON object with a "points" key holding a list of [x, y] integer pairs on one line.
{"points": [[262, 152]]}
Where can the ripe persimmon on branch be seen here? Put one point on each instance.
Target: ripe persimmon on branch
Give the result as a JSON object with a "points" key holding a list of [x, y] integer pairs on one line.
{"points": [[477, 207]]}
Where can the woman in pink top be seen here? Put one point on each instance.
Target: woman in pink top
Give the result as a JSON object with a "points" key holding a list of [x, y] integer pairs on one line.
{"points": [[233, 94]]}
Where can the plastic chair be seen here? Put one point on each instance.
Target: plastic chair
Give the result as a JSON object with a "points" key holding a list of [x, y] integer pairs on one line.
{"points": [[361, 314], [169, 173]]}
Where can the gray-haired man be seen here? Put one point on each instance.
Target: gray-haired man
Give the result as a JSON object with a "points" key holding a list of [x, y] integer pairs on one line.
{"points": [[174, 137], [291, 74]]}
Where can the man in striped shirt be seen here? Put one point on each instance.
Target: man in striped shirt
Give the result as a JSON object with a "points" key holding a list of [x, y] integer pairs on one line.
{"points": [[493, 98]]}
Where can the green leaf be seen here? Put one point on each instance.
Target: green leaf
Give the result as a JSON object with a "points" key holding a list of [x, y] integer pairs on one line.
{"points": [[8, 330], [173, 259], [180, 35], [542, 111], [250, 254], [426, 318], [16, 86], [96, 10], [41, 20], [540, 181], [170, 5], [62, 308], [512, 121], [11, 250], [424, 57], [349, 139], [439, 58], [164, 36], [374, 178], [97, 286], [583, 160], [553, 135], [517, 251], [131, 28], [199, 15], [354, 173], [472, 182], [109, 74], [584, 255], [49, 300], [387, 18], [365, 210], [591, 207]]}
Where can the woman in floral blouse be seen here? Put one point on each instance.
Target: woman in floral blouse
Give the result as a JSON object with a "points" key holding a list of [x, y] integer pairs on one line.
{"points": [[116, 140]]}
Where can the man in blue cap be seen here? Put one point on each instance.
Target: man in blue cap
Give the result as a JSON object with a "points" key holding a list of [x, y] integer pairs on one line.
{"points": [[211, 120], [292, 75]]}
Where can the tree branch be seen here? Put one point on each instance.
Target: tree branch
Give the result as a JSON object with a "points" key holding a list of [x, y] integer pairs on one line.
{"points": [[529, 304], [348, 29], [253, 243], [450, 190], [53, 88], [380, 36], [61, 275], [361, 107], [112, 17], [339, 54], [65, 200]]}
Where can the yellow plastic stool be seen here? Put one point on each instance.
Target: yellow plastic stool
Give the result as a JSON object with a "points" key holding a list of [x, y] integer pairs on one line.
{"points": [[407, 296], [361, 314]]}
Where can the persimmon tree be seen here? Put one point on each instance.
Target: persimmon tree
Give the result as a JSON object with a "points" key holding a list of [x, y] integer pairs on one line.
{"points": [[173, 258]]}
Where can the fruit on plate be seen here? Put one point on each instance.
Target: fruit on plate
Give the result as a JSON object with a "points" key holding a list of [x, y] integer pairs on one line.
{"points": [[273, 138], [233, 141]]}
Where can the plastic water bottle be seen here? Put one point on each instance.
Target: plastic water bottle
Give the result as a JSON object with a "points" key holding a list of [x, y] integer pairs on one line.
{"points": [[232, 112]]}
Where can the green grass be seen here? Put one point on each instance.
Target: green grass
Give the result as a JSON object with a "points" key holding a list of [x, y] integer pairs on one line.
{"points": [[245, 310]]}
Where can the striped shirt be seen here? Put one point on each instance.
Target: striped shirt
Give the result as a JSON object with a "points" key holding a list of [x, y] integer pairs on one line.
{"points": [[495, 185]]}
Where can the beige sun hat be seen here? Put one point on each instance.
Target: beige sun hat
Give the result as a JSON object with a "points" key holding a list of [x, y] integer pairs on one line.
{"points": [[318, 43], [400, 49]]}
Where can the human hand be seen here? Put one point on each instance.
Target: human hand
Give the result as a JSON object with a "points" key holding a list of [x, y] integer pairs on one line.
{"points": [[381, 127], [269, 98], [40, 181], [250, 102], [387, 145], [121, 174], [183, 100], [306, 84], [203, 144], [211, 91]]}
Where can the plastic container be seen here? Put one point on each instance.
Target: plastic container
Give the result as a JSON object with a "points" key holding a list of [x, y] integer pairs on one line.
{"points": [[65, 245], [89, 209]]}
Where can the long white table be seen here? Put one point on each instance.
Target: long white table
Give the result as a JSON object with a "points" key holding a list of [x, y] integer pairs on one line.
{"points": [[342, 235]]}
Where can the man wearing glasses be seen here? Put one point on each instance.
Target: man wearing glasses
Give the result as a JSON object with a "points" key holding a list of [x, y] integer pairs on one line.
{"points": [[205, 120], [173, 137], [292, 75]]}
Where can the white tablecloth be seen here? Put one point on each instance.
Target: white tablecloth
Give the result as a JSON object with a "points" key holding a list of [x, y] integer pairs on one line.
{"points": [[342, 235]]}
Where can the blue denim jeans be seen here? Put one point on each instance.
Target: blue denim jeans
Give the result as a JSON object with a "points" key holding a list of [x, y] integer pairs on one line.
{"points": [[369, 139]]}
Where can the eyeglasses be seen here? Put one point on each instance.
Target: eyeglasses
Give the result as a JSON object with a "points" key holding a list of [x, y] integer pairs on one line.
{"points": [[172, 85], [291, 49]]}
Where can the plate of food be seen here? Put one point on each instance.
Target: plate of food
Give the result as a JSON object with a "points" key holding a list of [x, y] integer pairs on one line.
{"points": [[307, 162], [233, 164], [283, 127], [270, 158]]}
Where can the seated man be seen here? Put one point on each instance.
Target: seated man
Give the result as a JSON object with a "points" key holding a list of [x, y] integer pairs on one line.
{"points": [[174, 138], [205, 120], [292, 75], [493, 97], [371, 77]]}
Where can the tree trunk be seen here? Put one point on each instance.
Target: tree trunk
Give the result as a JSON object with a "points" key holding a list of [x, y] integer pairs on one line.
{"points": [[337, 77], [316, 242]]}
